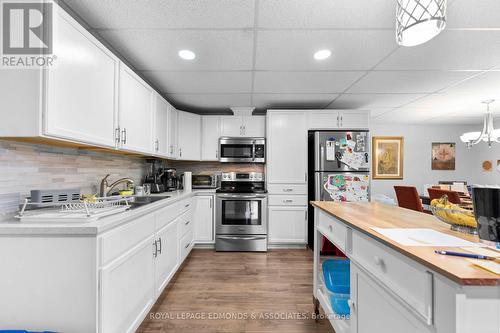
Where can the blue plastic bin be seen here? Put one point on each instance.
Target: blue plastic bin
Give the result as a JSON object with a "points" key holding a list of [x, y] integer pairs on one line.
{"points": [[337, 276]]}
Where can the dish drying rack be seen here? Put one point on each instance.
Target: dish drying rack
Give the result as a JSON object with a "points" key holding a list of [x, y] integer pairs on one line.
{"points": [[85, 210]]}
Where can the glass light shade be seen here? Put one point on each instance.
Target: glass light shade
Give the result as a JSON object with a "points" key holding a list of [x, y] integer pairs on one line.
{"points": [[418, 21], [470, 136]]}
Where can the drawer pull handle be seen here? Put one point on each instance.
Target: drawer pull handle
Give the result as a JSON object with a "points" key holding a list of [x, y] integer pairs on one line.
{"points": [[187, 245], [288, 190], [379, 261], [288, 201], [351, 305], [186, 206], [330, 227], [187, 222]]}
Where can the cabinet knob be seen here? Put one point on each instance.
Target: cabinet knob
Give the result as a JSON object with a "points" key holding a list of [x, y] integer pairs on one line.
{"points": [[378, 261], [330, 227]]}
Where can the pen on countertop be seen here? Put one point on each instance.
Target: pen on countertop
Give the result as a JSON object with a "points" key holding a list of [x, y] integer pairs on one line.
{"points": [[465, 255]]}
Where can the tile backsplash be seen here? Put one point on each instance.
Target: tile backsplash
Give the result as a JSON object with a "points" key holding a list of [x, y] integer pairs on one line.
{"points": [[210, 167], [24, 167]]}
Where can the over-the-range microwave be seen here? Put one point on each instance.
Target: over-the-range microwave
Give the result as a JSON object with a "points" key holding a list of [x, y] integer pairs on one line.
{"points": [[242, 150]]}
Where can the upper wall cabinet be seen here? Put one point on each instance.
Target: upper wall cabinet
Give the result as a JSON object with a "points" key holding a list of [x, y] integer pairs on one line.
{"points": [[189, 137], [210, 133], [135, 105], [173, 120], [338, 119], [161, 109], [243, 126]]}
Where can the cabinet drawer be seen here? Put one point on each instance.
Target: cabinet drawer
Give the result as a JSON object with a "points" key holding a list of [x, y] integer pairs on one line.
{"points": [[287, 200], [287, 188], [186, 244], [167, 215], [186, 222], [335, 230], [185, 205], [409, 282], [118, 241]]}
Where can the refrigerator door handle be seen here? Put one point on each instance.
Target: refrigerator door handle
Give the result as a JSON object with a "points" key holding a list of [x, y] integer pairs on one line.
{"points": [[322, 156]]}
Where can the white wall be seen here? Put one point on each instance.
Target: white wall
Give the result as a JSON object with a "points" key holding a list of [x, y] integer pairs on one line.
{"points": [[417, 156]]}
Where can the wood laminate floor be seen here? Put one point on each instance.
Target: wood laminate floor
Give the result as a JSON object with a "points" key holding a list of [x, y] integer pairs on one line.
{"points": [[256, 292]]}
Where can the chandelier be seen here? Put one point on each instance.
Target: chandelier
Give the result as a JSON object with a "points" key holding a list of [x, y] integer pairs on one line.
{"points": [[418, 21], [488, 134]]}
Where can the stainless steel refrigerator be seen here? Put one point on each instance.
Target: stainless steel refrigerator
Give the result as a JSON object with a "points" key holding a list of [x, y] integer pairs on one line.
{"points": [[340, 164]]}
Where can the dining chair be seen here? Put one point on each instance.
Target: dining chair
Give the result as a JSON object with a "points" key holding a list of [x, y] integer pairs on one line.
{"points": [[436, 193], [408, 198]]}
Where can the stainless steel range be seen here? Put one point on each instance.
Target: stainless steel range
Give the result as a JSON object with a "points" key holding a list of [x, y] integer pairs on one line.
{"points": [[241, 213]]}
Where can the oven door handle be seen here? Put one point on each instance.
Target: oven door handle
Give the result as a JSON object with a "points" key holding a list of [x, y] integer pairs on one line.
{"points": [[253, 150], [242, 238], [232, 196]]}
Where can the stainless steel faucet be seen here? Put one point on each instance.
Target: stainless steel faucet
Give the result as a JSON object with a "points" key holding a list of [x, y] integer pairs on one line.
{"points": [[105, 189]]}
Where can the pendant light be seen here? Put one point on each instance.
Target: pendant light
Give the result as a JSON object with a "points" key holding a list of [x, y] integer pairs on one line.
{"points": [[488, 134], [418, 21]]}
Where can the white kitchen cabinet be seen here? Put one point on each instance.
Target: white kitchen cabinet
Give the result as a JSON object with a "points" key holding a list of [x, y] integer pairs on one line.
{"points": [[203, 217], [81, 87], [135, 105], [173, 121], [287, 224], [243, 126], [167, 255], [210, 133], [127, 289], [189, 136], [370, 301], [161, 125], [286, 147], [338, 119]]}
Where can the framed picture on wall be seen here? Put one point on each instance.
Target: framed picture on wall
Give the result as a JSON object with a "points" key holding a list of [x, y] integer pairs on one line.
{"points": [[387, 158], [443, 155]]}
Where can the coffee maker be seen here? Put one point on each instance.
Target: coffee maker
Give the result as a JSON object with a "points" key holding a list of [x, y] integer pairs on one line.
{"points": [[169, 179], [153, 176]]}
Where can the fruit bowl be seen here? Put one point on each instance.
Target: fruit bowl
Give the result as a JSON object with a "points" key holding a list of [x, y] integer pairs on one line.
{"points": [[460, 219]]}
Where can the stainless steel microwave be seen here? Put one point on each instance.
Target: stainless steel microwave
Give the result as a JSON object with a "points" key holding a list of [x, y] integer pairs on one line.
{"points": [[242, 150]]}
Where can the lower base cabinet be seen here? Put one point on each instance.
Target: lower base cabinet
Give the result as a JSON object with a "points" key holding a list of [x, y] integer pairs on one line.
{"points": [[287, 225], [167, 255], [203, 217], [127, 289]]}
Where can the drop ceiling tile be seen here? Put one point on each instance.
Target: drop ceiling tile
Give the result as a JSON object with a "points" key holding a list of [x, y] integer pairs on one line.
{"points": [[403, 115], [451, 50], [445, 104], [155, 14], [304, 82], [351, 50], [281, 101], [418, 82], [480, 87], [157, 49], [369, 101], [208, 102], [473, 14], [297, 14], [201, 82]]}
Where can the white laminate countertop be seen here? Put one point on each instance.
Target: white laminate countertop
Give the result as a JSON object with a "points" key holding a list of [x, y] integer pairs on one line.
{"points": [[15, 227]]}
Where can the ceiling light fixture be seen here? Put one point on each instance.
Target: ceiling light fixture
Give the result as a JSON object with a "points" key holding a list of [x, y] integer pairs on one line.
{"points": [[187, 54], [418, 21], [322, 54], [488, 134]]}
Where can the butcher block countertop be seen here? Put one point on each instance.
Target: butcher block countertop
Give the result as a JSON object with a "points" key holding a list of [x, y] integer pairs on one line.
{"points": [[364, 215]]}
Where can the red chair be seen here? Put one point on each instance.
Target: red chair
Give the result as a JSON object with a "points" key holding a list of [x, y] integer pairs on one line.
{"points": [[437, 193], [408, 198]]}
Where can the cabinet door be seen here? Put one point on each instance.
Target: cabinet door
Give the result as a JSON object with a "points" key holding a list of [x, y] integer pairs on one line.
{"points": [[161, 127], [135, 112], [254, 126], [287, 224], [231, 126], [189, 137], [210, 132], [355, 119], [203, 218], [372, 302], [286, 147], [324, 119], [80, 89], [167, 259], [172, 131], [127, 289]]}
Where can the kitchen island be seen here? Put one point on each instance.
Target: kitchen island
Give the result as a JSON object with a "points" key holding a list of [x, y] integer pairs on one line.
{"points": [[401, 288]]}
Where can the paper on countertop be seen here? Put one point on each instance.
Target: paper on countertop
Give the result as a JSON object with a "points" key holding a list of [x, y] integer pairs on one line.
{"points": [[489, 265], [423, 237], [482, 251]]}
